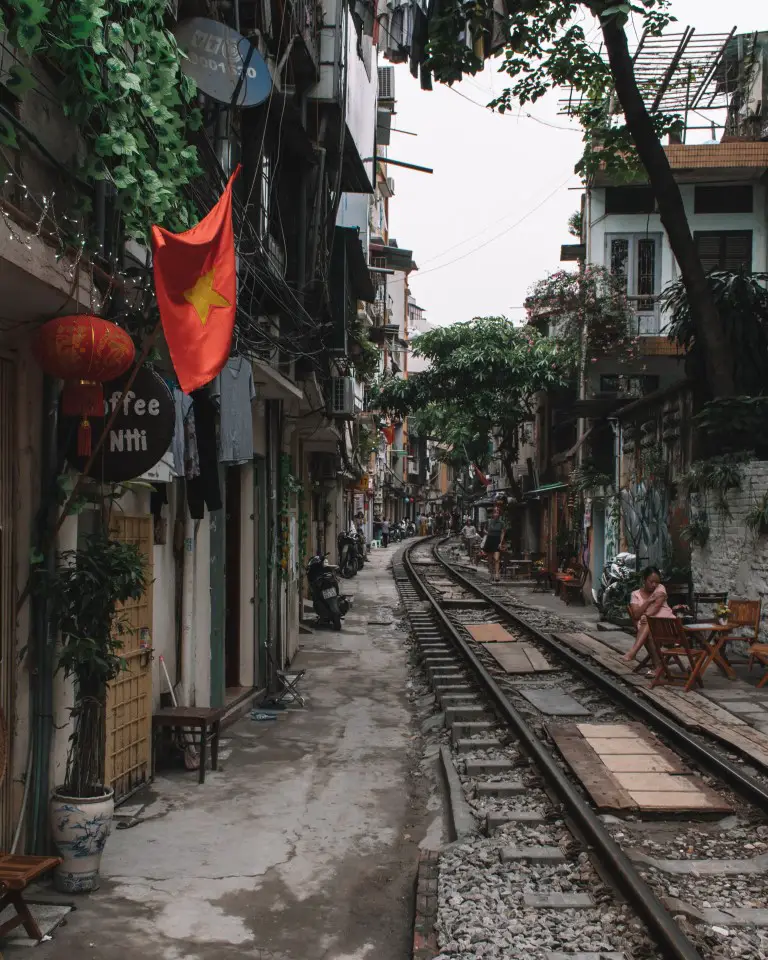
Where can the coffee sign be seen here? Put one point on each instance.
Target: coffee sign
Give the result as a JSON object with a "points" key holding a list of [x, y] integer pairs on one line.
{"points": [[140, 435], [222, 62]]}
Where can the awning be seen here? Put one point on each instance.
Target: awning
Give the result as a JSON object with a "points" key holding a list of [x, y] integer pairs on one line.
{"points": [[272, 385], [547, 489]]}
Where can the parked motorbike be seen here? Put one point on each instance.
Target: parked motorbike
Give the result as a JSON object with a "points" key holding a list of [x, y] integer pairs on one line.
{"points": [[396, 533], [328, 602], [614, 581], [347, 544], [410, 529], [361, 549]]}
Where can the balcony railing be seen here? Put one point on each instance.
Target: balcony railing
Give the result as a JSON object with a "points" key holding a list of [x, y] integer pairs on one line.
{"points": [[647, 321]]}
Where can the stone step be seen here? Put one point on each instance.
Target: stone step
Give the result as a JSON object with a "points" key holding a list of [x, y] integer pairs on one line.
{"points": [[493, 820], [461, 712], [476, 767], [467, 746], [501, 788], [531, 854], [466, 728]]}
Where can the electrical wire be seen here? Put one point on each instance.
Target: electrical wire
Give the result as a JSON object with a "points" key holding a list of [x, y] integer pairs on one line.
{"points": [[497, 236]]}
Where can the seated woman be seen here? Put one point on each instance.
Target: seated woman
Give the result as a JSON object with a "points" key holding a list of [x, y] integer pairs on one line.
{"points": [[649, 601]]}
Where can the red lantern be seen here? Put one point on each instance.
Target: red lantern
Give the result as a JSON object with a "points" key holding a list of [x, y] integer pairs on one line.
{"points": [[84, 352]]}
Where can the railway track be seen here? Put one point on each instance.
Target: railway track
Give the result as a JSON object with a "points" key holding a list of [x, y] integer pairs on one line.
{"points": [[679, 874]]}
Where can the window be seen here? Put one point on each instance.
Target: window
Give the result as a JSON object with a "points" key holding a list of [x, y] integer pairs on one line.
{"points": [[724, 249], [637, 258], [723, 199], [636, 386], [629, 200]]}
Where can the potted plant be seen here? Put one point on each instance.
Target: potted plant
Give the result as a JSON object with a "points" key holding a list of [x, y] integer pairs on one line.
{"points": [[757, 518], [82, 595], [722, 613]]}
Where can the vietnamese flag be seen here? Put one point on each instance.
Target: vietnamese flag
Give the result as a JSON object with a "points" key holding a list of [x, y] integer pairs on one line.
{"points": [[196, 289], [389, 434]]}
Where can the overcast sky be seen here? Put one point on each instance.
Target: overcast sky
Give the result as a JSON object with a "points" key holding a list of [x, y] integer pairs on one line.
{"points": [[500, 186]]}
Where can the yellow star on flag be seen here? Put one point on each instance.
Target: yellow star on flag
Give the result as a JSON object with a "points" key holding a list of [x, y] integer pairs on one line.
{"points": [[202, 296]]}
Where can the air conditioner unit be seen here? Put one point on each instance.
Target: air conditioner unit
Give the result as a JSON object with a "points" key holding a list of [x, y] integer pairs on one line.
{"points": [[341, 398], [386, 83]]}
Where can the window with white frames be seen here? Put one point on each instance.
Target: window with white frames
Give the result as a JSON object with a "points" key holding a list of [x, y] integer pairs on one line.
{"points": [[637, 258]]}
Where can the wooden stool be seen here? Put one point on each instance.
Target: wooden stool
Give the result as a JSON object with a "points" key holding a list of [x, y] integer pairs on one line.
{"points": [[207, 720]]}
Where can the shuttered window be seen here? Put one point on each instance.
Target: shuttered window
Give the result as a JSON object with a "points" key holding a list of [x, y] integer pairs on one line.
{"points": [[724, 249], [736, 199]]}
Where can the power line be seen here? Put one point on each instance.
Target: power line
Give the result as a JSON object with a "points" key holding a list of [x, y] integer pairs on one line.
{"points": [[497, 236]]}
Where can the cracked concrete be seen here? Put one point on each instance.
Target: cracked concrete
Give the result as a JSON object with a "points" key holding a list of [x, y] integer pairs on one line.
{"points": [[304, 845]]}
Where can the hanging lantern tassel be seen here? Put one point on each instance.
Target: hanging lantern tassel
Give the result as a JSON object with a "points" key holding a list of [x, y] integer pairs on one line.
{"points": [[84, 438], [83, 398]]}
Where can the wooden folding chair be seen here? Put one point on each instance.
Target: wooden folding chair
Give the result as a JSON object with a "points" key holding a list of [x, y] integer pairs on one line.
{"points": [[703, 603], [673, 646]]}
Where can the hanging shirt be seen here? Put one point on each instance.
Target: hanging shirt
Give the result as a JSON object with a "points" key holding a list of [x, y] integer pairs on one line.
{"points": [[184, 444], [234, 390]]}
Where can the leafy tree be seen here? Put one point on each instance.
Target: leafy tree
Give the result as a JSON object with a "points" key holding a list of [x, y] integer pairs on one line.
{"points": [[482, 379], [589, 309], [547, 46]]}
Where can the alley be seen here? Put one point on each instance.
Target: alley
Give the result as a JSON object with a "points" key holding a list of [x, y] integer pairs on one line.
{"points": [[303, 846]]}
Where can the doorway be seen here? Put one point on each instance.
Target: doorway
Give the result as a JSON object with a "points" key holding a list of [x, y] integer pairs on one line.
{"points": [[233, 508]]}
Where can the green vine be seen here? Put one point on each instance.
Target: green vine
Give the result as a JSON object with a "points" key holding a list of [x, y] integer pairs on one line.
{"points": [[290, 486], [121, 82]]}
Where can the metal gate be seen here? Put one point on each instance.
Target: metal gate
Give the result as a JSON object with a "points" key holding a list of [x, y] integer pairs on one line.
{"points": [[129, 700], [8, 433]]}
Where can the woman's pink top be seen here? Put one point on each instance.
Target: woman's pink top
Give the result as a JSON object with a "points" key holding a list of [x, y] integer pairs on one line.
{"points": [[639, 596]]}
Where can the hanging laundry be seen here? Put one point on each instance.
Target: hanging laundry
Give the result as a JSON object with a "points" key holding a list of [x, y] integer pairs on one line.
{"points": [[205, 490], [234, 391]]}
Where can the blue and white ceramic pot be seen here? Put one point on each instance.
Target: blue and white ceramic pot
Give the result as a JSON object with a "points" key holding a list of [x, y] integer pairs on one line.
{"points": [[79, 828]]}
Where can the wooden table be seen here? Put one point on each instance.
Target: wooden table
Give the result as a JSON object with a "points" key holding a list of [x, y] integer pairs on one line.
{"points": [[519, 567], [207, 720], [712, 637]]}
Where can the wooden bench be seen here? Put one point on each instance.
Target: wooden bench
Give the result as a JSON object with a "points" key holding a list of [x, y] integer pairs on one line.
{"points": [[16, 873]]}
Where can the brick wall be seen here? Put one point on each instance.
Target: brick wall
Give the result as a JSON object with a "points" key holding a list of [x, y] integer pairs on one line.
{"points": [[735, 559]]}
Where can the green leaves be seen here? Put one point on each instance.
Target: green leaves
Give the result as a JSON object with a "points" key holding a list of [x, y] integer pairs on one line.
{"points": [[20, 80], [7, 133]]}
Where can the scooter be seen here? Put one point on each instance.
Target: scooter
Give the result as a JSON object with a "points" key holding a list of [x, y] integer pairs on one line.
{"points": [[328, 602], [616, 574], [396, 534], [361, 549], [410, 529], [347, 544]]}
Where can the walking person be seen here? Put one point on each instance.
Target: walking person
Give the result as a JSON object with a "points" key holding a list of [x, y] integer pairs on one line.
{"points": [[494, 542], [385, 532]]}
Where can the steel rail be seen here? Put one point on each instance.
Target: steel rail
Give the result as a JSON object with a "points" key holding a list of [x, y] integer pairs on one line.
{"points": [[735, 778], [667, 934]]}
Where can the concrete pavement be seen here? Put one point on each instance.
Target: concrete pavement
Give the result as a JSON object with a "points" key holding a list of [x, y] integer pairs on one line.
{"points": [[303, 846]]}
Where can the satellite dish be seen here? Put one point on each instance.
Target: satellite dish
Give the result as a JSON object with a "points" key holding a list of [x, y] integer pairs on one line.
{"points": [[222, 62]]}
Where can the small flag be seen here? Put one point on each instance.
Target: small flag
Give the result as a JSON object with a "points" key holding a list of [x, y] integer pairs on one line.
{"points": [[196, 289], [481, 476], [389, 434]]}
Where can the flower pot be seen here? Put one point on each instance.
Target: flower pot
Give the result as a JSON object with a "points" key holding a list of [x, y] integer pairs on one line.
{"points": [[80, 827], [722, 621]]}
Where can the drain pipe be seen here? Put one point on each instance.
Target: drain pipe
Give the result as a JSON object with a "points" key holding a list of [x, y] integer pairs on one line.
{"points": [[40, 659]]}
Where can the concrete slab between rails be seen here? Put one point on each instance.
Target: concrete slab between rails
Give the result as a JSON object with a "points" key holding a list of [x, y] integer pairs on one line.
{"points": [[495, 820], [486, 743], [703, 868], [558, 901], [732, 917], [463, 823], [465, 711], [531, 854], [462, 729]]}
